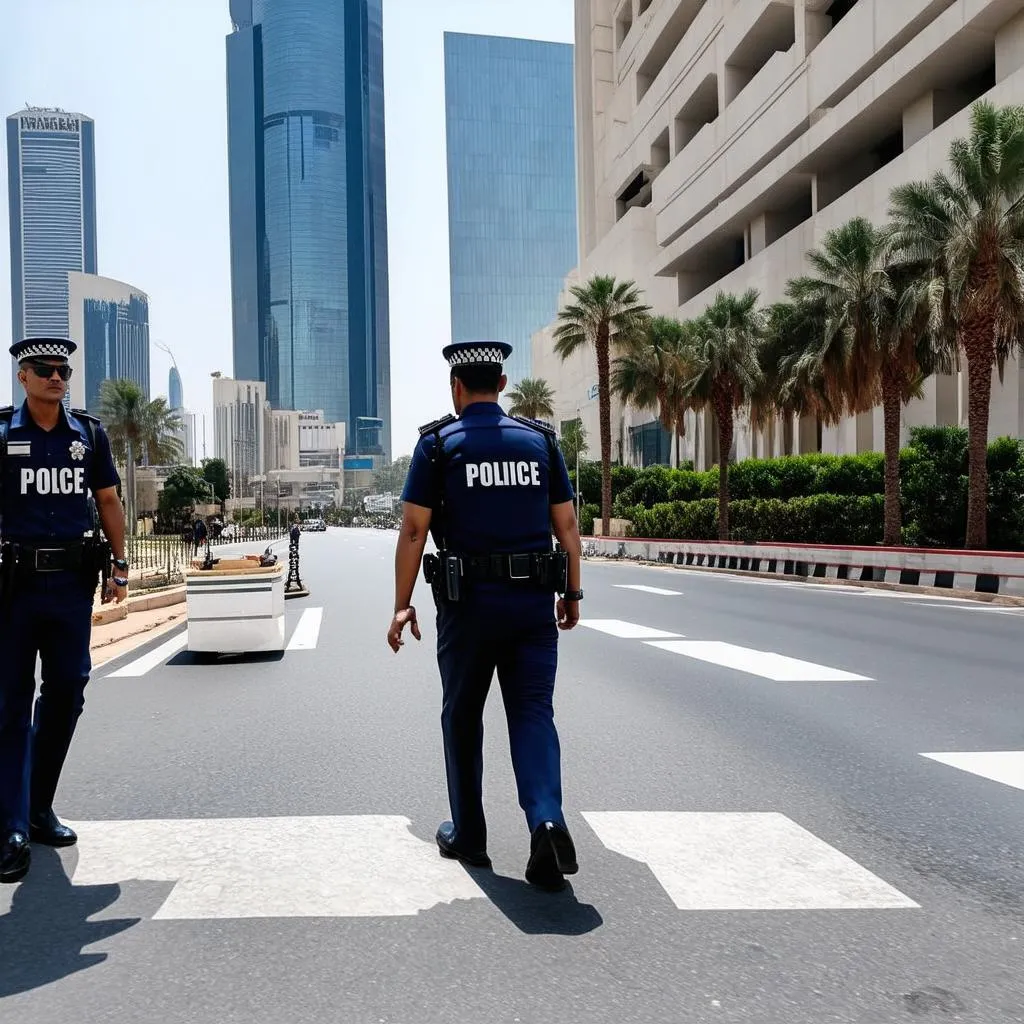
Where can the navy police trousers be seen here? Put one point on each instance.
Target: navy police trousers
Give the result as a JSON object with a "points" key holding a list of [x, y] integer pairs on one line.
{"points": [[472, 643], [49, 614]]}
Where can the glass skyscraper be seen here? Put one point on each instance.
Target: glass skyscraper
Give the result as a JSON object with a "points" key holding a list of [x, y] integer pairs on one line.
{"points": [[51, 172], [175, 392], [511, 187], [308, 209], [109, 320]]}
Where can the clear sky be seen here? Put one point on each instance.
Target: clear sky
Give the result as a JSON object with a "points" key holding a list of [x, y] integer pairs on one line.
{"points": [[151, 74]]}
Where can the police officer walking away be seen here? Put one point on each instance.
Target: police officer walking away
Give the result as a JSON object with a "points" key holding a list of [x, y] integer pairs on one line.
{"points": [[50, 563], [491, 489]]}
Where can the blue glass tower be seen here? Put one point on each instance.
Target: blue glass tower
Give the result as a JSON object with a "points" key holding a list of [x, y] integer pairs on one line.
{"points": [[511, 187], [309, 209], [51, 177], [175, 392]]}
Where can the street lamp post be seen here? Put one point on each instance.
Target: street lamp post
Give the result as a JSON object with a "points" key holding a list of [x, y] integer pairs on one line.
{"points": [[579, 423]]}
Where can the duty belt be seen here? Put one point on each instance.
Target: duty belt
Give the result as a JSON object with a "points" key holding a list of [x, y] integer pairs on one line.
{"points": [[52, 558], [533, 566]]}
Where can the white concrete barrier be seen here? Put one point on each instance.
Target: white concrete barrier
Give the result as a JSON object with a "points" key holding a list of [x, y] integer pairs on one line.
{"points": [[986, 572]]}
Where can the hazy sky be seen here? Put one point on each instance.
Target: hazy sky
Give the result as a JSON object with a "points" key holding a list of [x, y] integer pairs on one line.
{"points": [[151, 74]]}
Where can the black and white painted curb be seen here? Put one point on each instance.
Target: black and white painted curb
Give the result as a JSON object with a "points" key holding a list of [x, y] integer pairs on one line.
{"points": [[984, 572]]}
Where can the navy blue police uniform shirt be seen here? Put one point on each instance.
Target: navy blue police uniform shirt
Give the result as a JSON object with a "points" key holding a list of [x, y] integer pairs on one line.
{"points": [[48, 476], [500, 482]]}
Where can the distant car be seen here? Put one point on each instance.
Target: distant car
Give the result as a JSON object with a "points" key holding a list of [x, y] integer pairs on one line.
{"points": [[314, 525]]}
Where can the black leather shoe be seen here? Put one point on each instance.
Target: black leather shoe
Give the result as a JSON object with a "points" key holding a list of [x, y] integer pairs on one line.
{"points": [[552, 855], [449, 847], [46, 830], [15, 857]]}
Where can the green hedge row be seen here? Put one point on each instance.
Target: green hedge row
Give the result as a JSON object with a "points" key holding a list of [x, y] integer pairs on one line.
{"points": [[816, 519], [933, 485]]}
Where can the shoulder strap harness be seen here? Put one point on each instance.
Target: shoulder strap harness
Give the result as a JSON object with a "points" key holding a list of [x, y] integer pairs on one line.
{"points": [[437, 457]]}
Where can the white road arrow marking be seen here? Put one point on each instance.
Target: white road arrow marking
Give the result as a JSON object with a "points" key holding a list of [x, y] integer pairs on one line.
{"points": [[1005, 766], [359, 866], [742, 861]]}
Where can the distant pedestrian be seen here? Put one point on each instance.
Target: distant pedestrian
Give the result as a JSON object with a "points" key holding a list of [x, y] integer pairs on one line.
{"points": [[491, 489], [199, 534]]}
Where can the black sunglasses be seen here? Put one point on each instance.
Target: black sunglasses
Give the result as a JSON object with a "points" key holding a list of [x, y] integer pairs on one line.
{"points": [[46, 371]]}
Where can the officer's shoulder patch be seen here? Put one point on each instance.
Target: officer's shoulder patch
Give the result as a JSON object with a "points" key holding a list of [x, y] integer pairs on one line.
{"points": [[430, 428], [544, 428]]}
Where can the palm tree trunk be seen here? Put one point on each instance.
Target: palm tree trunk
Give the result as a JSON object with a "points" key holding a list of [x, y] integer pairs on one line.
{"points": [[724, 415], [979, 349], [891, 395], [605, 411], [130, 497]]}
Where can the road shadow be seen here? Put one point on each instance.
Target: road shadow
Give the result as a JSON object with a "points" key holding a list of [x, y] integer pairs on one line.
{"points": [[43, 935], [195, 659], [534, 911]]}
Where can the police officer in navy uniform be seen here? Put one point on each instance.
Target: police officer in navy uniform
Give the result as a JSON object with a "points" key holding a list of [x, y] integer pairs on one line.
{"points": [[491, 489], [50, 564]]}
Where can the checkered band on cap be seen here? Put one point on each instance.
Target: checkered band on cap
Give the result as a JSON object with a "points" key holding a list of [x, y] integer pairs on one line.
{"points": [[477, 354], [44, 349]]}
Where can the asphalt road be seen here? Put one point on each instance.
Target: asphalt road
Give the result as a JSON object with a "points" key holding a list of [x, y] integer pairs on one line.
{"points": [[761, 834]]}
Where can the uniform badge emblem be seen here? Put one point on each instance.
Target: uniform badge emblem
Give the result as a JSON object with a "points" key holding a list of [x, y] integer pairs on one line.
{"points": [[77, 451]]}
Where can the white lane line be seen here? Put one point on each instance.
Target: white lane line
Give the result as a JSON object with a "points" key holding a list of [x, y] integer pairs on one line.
{"points": [[1005, 766], [140, 666], [354, 866], [766, 664], [742, 861], [307, 632], [648, 590], [626, 630]]}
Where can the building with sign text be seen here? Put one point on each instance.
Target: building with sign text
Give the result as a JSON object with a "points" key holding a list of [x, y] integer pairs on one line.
{"points": [[309, 267], [51, 174]]}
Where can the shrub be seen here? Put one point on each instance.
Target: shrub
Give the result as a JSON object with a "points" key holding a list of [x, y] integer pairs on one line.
{"points": [[816, 519], [588, 513]]}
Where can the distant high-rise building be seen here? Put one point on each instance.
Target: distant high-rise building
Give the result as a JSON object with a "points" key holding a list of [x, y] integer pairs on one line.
{"points": [[511, 187], [51, 176], [109, 321], [175, 392], [309, 266], [238, 407]]}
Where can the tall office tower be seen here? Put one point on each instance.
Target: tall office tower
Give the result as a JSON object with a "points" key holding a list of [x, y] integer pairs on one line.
{"points": [[511, 187], [51, 175], [175, 392], [109, 321], [309, 273]]}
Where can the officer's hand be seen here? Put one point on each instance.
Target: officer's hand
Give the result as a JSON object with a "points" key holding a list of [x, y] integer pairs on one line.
{"points": [[112, 592], [398, 623], [568, 613]]}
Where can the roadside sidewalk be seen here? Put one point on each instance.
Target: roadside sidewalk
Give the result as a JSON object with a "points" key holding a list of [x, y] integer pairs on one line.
{"points": [[144, 615]]}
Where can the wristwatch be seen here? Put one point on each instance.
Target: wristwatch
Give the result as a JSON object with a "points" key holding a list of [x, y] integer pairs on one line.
{"points": [[573, 595], [120, 563]]}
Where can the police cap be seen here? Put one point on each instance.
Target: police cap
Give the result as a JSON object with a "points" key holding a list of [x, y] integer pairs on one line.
{"points": [[477, 353], [43, 348]]}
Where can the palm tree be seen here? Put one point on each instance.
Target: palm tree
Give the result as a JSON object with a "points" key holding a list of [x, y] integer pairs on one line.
{"points": [[653, 371], [138, 429], [532, 397], [605, 313], [967, 228], [727, 373]]}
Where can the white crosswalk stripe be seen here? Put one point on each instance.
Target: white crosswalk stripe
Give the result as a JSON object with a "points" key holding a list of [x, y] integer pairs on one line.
{"points": [[742, 861], [626, 630], [1005, 766], [374, 866], [307, 632], [766, 664], [648, 590], [157, 656], [305, 637]]}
